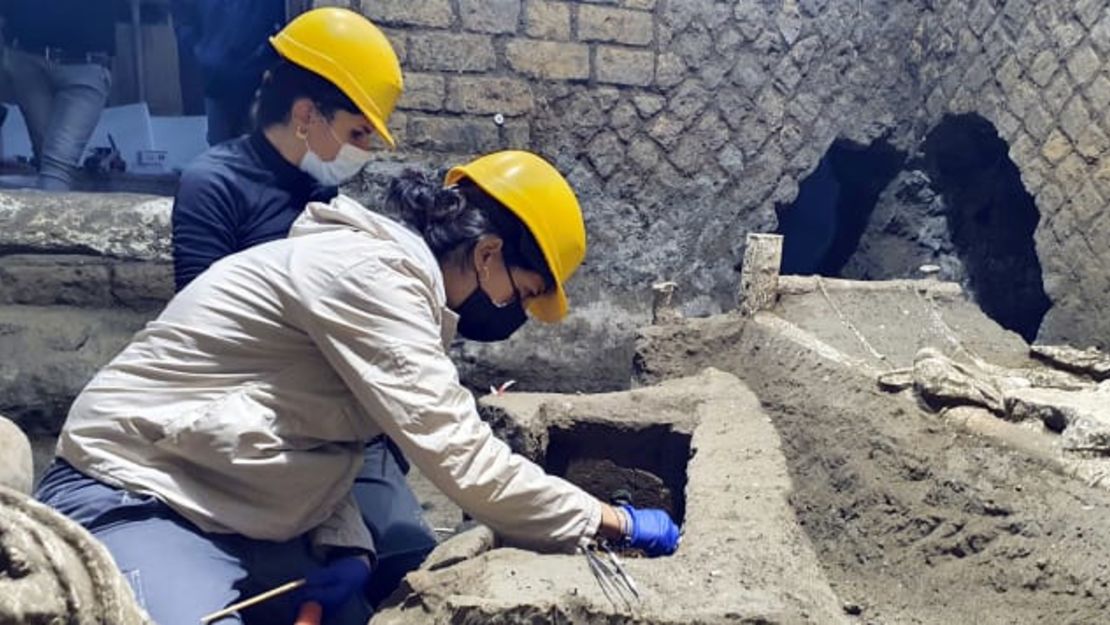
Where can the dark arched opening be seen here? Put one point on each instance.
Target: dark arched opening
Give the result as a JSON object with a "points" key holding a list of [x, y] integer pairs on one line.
{"points": [[822, 228], [991, 219]]}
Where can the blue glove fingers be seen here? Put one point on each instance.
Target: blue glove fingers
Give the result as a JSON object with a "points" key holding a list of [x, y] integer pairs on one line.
{"points": [[335, 584], [652, 531]]}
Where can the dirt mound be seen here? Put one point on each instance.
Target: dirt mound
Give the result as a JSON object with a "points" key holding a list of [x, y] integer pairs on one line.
{"points": [[913, 521]]}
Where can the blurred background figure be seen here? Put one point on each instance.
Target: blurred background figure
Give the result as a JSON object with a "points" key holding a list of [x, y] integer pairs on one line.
{"points": [[229, 43], [57, 58]]}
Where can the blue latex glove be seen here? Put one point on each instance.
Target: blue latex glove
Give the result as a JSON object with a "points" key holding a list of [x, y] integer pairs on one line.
{"points": [[335, 584], [652, 531]]}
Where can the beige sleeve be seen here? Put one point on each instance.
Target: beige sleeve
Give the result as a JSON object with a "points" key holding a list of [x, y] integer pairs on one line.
{"points": [[344, 529], [376, 325]]}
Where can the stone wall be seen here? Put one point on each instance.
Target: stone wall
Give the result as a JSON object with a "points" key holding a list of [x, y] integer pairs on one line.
{"points": [[79, 274], [684, 123]]}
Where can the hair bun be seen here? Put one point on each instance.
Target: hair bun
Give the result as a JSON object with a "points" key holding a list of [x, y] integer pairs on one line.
{"points": [[422, 202]]}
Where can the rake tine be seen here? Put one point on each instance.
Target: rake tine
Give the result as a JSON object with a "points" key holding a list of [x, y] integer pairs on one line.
{"points": [[623, 573], [599, 575]]}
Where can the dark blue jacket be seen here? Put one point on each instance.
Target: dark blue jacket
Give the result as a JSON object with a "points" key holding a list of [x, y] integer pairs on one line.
{"points": [[230, 40], [234, 196]]}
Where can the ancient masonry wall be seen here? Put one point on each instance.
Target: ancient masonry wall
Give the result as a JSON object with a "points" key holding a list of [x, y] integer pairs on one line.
{"points": [[683, 123]]}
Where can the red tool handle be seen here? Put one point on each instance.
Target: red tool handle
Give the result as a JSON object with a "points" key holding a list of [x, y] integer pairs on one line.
{"points": [[311, 613]]}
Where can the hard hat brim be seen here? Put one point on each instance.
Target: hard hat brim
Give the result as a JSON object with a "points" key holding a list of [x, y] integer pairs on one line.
{"points": [[551, 307]]}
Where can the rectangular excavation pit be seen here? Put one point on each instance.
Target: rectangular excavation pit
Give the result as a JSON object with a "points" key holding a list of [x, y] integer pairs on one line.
{"points": [[648, 464]]}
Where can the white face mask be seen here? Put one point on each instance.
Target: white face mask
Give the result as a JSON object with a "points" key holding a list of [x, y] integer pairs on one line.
{"points": [[347, 163]]}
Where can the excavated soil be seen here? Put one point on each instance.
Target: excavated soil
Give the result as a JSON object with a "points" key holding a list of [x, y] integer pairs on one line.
{"points": [[913, 522]]}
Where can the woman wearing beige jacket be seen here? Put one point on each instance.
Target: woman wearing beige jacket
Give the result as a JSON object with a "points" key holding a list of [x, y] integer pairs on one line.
{"points": [[214, 456]]}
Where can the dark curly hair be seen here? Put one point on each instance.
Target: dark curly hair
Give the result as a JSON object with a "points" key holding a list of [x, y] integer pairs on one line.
{"points": [[453, 219]]}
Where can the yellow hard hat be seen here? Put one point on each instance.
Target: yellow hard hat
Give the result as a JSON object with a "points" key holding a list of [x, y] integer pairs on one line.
{"points": [[345, 48], [542, 199]]}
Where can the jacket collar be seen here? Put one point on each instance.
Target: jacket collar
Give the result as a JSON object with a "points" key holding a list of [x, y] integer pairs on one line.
{"points": [[286, 175], [345, 213]]}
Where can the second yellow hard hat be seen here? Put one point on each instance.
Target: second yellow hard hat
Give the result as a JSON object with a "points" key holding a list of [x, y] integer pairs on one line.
{"points": [[350, 52]]}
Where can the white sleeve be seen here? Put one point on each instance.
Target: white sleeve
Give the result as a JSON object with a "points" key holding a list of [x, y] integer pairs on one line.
{"points": [[377, 326]]}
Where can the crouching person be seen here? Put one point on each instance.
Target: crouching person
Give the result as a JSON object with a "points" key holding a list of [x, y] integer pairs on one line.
{"points": [[215, 456]]}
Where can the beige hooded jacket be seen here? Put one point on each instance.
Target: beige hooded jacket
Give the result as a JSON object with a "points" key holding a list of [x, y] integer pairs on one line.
{"points": [[247, 403]]}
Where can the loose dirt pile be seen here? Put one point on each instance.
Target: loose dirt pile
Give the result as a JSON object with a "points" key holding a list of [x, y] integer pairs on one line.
{"points": [[913, 520]]}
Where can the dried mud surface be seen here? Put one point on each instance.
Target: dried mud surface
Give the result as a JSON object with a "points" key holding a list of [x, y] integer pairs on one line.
{"points": [[913, 522]]}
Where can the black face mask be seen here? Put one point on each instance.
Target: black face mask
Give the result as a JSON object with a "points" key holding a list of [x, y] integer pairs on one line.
{"points": [[482, 320]]}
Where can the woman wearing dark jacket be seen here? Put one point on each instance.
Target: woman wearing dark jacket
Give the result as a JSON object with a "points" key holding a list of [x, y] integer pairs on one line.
{"points": [[316, 112]]}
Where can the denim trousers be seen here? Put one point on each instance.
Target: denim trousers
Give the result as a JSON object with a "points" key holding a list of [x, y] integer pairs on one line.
{"points": [[180, 573], [61, 104]]}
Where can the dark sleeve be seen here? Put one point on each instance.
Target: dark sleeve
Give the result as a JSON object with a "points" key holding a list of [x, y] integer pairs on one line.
{"points": [[204, 224]]}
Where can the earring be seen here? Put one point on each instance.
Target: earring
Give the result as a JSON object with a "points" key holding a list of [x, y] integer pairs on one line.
{"points": [[302, 133], [486, 274]]}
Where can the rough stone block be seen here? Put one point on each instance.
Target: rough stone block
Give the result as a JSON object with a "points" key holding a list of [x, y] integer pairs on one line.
{"points": [[1067, 33], [1044, 67], [1098, 92], [981, 17], [448, 134], [1070, 173], [606, 152], [486, 95], [51, 352], [643, 153], [1049, 198], [1056, 147], [1083, 64], [622, 66], [47, 280], [648, 104], [423, 92], [142, 286], [670, 70], [643, 5], [16, 467], [437, 13], [398, 127], [548, 59], [1076, 119], [399, 39], [1030, 42], [1009, 74], [516, 134], [489, 16], [1100, 34], [625, 120], [666, 129], [1037, 121], [1088, 11], [614, 25], [107, 224], [731, 159], [697, 146], [454, 52], [771, 105], [545, 19], [1058, 93]]}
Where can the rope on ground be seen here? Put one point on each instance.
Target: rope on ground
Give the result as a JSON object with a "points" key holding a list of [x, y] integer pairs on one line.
{"points": [[947, 331], [848, 324]]}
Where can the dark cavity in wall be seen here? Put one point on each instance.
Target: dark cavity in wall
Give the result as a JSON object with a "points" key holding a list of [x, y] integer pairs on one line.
{"points": [[991, 219], [822, 228], [646, 465]]}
